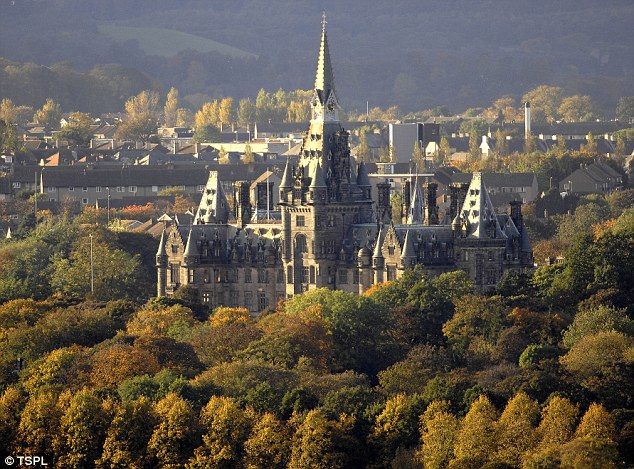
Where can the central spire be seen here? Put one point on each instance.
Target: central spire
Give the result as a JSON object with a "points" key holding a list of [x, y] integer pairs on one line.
{"points": [[324, 79]]}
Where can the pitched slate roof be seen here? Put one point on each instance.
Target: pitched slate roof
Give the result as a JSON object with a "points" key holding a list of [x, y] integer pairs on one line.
{"points": [[478, 211], [498, 179]]}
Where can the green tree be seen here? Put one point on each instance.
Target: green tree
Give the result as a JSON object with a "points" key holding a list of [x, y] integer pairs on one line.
{"points": [[444, 154], [9, 142], [386, 154], [246, 112], [269, 445], [49, 114], [264, 106], [78, 129], [13, 114], [591, 320], [501, 145], [170, 110], [476, 441], [417, 154], [475, 153], [173, 438]]}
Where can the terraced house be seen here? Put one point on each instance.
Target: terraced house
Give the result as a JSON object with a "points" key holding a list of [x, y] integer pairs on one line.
{"points": [[330, 232]]}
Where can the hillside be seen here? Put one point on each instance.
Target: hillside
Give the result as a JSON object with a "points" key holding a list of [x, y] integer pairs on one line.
{"points": [[414, 54]]}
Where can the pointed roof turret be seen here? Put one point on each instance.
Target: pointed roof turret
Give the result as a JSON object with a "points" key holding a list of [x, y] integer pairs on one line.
{"points": [[379, 245], [213, 207], [287, 178], [408, 247], [317, 177], [324, 79], [362, 176], [162, 251], [479, 212], [191, 251], [416, 214]]}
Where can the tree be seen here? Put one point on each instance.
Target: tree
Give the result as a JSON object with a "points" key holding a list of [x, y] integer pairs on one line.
{"points": [[13, 114], [602, 363], [226, 111], [577, 109], [444, 153], [264, 106], [439, 429], [223, 156], [597, 423], [142, 117], [173, 439], [386, 154], [205, 123], [9, 142], [82, 431], [592, 319], [475, 153], [363, 150], [11, 403], [78, 129], [39, 423], [515, 429], [501, 145], [248, 155], [557, 425], [397, 425], [269, 444], [417, 154], [50, 114], [128, 436], [184, 117], [246, 112], [625, 109], [170, 111], [476, 441], [320, 443], [226, 427], [112, 365], [545, 101]]}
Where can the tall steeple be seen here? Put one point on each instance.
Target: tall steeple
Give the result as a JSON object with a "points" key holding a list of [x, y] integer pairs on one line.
{"points": [[324, 79]]}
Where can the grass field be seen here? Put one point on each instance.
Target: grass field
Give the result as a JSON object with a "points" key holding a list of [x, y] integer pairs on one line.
{"points": [[168, 42]]}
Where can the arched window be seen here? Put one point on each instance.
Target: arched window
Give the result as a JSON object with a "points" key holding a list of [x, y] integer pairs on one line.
{"points": [[301, 246]]}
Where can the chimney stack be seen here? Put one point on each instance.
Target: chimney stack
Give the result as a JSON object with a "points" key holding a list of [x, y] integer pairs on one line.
{"points": [[527, 119]]}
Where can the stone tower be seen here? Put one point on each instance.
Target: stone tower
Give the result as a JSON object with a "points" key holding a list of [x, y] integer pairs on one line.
{"points": [[324, 195]]}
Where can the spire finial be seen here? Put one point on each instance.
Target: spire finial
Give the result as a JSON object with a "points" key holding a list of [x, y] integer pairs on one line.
{"points": [[323, 21]]}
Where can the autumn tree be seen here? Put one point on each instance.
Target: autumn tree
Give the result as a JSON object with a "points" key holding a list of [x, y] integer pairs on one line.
{"points": [[418, 155], [11, 403], [82, 431], [320, 443], [174, 437], [13, 114], [226, 428], [246, 112], [77, 130], [475, 153], [476, 441], [39, 423], [49, 114], [248, 157], [226, 111], [545, 101], [142, 117], [206, 123], [577, 109], [625, 109], [558, 422], [269, 445], [170, 110], [444, 153], [439, 429], [128, 435], [515, 429]]}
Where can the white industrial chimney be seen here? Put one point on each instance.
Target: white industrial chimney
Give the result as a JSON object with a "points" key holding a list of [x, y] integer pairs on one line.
{"points": [[527, 119]]}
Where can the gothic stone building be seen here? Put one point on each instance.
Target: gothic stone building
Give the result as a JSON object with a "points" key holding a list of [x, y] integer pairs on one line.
{"points": [[332, 234]]}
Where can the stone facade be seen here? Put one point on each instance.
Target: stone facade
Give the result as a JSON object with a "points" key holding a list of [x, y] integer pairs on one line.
{"points": [[332, 234]]}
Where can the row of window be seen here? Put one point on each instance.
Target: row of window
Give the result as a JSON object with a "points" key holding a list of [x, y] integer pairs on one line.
{"points": [[132, 189], [220, 298], [226, 276]]}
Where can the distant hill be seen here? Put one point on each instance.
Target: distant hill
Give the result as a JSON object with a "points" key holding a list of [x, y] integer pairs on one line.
{"points": [[415, 53], [168, 42]]}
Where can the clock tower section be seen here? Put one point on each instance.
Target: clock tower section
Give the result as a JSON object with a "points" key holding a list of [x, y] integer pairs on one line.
{"points": [[325, 195]]}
